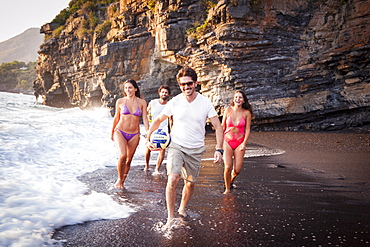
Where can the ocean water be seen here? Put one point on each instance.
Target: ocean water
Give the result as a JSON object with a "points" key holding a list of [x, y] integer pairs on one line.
{"points": [[42, 151]]}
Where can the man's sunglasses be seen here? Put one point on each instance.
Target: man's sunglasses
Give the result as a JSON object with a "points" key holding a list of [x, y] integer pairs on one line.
{"points": [[186, 83]]}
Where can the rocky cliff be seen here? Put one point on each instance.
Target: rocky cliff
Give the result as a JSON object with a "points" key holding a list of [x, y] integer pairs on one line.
{"points": [[304, 64]]}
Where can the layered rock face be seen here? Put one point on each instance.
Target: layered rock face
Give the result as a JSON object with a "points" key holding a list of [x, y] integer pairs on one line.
{"points": [[303, 64]]}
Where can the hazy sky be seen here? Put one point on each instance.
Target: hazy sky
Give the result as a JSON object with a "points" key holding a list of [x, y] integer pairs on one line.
{"points": [[16, 16]]}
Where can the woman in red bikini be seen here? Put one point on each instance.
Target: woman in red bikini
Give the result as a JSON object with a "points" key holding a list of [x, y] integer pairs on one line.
{"points": [[126, 127], [236, 124]]}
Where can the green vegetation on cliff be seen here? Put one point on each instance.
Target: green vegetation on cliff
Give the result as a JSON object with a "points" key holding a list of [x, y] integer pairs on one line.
{"points": [[75, 5], [93, 10], [17, 76]]}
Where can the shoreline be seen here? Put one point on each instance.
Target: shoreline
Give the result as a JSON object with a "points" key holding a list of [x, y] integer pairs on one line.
{"points": [[338, 158], [280, 200], [26, 92]]}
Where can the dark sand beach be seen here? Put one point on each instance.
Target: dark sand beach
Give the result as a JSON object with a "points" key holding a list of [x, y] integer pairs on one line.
{"points": [[316, 193]]}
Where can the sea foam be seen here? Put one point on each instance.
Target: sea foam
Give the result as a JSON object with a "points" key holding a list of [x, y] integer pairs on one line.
{"points": [[42, 152]]}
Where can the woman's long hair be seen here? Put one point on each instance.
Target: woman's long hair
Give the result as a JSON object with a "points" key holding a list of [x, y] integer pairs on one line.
{"points": [[246, 104], [133, 82]]}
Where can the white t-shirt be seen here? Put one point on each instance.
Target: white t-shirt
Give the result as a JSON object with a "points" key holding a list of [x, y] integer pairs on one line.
{"points": [[189, 119], [155, 109]]}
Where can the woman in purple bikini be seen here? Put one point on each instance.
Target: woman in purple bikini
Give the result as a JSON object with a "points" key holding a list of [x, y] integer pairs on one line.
{"points": [[236, 125], [126, 127]]}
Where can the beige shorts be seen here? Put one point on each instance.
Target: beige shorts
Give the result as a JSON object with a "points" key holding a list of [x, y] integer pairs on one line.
{"points": [[184, 161]]}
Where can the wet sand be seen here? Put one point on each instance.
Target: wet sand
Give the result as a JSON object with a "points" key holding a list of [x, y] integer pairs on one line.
{"points": [[317, 193]]}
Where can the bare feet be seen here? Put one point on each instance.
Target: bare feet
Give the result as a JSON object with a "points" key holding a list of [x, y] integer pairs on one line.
{"points": [[156, 172], [172, 224], [226, 192], [146, 169], [119, 184], [169, 223], [182, 213]]}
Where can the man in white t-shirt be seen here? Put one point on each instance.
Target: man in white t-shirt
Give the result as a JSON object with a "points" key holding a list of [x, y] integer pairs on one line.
{"points": [[155, 107], [189, 111]]}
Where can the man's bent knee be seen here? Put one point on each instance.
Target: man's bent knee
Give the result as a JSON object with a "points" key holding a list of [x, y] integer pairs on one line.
{"points": [[173, 179]]}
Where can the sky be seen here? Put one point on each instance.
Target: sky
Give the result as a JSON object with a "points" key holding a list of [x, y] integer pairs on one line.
{"points": [[16, 16]]}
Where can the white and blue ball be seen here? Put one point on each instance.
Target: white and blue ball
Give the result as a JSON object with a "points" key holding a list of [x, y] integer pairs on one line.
{"points": [[160, 138]]}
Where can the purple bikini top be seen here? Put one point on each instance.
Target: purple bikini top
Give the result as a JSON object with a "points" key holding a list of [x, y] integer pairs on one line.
{"points": [[126, 111]]}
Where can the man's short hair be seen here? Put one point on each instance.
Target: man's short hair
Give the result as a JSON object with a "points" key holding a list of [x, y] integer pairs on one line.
{"points": [[186, 71], [164, 87]]}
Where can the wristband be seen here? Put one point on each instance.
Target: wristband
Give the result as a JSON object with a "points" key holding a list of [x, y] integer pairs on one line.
{"points": [[220, 150]]}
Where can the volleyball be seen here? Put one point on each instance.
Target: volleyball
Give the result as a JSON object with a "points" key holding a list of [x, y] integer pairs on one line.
{"points": [[160, 138]]}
